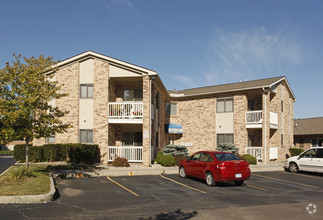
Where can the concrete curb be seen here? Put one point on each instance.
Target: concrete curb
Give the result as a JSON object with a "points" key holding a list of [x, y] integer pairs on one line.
{"points": [[43, 198]]}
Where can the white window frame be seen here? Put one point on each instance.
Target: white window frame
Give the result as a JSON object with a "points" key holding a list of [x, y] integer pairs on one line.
{"points": [[224, 104]]}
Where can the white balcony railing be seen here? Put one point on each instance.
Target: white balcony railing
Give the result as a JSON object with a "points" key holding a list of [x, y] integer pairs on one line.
{"points": [[254, 117], [131, 153], [126, 110], [255, 151]]}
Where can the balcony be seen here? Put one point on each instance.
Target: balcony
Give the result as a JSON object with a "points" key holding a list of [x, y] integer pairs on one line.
{"points": [[125, 112], [131, 153], [254, 119]]}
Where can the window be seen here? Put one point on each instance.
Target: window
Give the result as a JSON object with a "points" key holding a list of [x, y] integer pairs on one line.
{"points": [[195, 156], [50, 139], [171, 108], [309, 153], [86, 91], [132, 138], [316, 142], [205, 157], [171, 140], [282, 106], [132, 95], [225, 139], [282, 140], [319, 153], [86, 136], [224, 105], [224, 157]]}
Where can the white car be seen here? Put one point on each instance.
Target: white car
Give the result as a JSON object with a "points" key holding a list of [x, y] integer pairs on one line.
{"points": [[310, 160]]}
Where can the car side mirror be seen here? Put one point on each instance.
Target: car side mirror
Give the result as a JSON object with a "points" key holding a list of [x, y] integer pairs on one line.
{"points": [[188, 159]]}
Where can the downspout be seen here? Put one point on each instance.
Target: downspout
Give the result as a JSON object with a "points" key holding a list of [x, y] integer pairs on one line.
{"points": [[265, 125]]}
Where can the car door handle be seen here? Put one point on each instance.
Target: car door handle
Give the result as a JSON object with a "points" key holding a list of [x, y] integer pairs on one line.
{"points": [[204, 162]]}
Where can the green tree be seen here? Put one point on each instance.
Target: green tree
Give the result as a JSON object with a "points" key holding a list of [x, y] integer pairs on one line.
{"points": [[26, 89]]}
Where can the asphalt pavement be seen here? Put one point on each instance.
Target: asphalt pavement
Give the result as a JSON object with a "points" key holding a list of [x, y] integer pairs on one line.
{"points": [[266, 195], [6, 162]]}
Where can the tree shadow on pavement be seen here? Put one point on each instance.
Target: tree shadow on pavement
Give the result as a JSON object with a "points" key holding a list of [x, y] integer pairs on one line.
{"points": [[178, 214]]}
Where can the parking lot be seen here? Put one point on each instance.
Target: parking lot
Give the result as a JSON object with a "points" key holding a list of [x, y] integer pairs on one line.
{"points": [[266, 195]]}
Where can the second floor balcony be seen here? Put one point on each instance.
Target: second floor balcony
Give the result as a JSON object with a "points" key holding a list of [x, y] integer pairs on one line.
{"points": [[254, 119], [126, 112]]}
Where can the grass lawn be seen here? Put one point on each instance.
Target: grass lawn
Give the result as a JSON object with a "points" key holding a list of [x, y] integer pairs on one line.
{"points": [[6, 152], [38, 184]]}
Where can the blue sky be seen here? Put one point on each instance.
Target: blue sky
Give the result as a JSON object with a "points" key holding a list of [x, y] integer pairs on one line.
{"points": [[189, 43]]}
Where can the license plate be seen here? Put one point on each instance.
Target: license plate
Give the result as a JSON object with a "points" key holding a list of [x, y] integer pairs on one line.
{"points": [[238, 175]]}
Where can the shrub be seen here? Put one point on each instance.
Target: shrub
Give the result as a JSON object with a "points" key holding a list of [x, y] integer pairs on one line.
{"points": [[250, 159], [159, 155], [175, 150], [36, 154], [120, 162], [20, 152], [179, 158], [74, 153], [167, 160], [21, 173], [295, 151], [228, 148]]}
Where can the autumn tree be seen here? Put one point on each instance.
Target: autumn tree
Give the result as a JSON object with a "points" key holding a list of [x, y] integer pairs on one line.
{"points": [[27, 88]]}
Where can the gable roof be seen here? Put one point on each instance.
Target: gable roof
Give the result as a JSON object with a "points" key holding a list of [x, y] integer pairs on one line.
{"points": [[308, 126], [233, 87], [113, 61]]}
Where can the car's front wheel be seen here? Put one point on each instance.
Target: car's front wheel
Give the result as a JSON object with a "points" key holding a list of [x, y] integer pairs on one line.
{"points": [[209, 179], [182, 172], [293, 167], [239, 182]]}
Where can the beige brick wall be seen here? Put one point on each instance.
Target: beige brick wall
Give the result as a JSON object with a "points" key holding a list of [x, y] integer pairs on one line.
{"points": [[240, 131], [100, 107], [197, 116], [68, 77], [146, 120]]}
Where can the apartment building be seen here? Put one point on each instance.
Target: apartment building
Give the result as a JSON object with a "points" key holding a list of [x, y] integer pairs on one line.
{"points": [[308, 132], [128, 112]]}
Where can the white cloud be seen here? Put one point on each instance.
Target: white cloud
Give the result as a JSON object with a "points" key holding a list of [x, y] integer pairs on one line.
{"points": [[250, 54]]}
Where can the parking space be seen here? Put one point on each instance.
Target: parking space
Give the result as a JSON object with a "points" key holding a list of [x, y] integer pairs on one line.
{"points": [[144, 197]]}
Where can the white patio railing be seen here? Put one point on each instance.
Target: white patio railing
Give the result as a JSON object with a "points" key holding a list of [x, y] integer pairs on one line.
{"points": [[131, 153], [254, 117], [255, 151], [125, 110]]}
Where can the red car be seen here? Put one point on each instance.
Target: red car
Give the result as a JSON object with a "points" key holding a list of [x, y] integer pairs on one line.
{"points": [[214, 166]]}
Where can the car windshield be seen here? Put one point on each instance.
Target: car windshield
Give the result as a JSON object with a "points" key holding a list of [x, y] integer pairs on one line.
{"points": [[225, 157]]}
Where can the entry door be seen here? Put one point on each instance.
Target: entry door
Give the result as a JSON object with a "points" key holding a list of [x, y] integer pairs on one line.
{"points": [[307, 160], [319, 161]]}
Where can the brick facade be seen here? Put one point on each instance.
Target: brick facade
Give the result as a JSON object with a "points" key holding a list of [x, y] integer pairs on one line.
{"points": [[196, 113]]}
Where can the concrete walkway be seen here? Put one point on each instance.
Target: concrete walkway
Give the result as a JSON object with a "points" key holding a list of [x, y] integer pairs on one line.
{"points": [[157, 169]]}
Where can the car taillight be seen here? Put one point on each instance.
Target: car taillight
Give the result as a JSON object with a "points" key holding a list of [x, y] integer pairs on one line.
{"points": [[221, 166]]}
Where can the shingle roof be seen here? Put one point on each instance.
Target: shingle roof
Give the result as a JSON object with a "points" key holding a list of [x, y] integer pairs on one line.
{"points": [[254, 84], [308, 126]]}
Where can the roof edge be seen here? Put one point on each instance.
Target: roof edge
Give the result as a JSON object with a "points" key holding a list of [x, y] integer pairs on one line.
{"points": [[107, 58]]}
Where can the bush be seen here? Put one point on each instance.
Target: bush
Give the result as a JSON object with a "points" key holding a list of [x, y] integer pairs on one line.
{"points": [[167, 160], [159, 155], [36, 154], [250, 159], [179, 158], [74, 153], [120, 162], [228, 148], [175, 150], [295, 151], [20, 152], [21, 173]]}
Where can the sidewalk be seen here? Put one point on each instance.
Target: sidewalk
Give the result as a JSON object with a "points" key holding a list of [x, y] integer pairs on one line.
{"points": [[157, 169]]}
